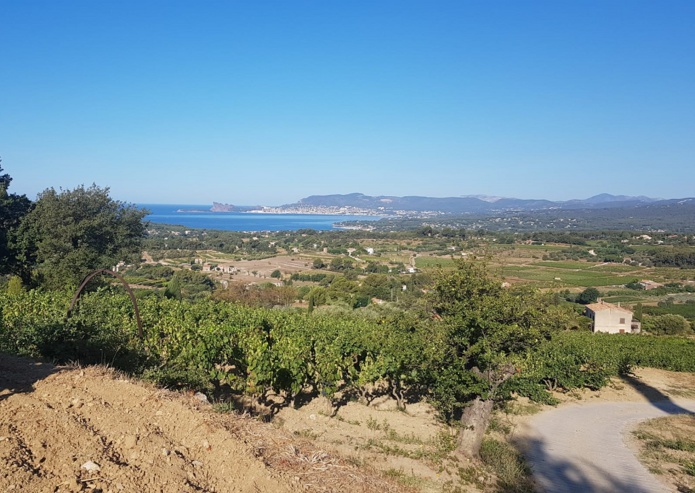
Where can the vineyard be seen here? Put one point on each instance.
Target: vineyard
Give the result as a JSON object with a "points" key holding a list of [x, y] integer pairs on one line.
{"points": [[274, 357]]}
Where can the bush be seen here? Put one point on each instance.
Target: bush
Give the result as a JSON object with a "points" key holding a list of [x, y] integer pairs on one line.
{"points": [[508, 465], [635, 285], [668, 324], [101, 329], [14, 286]]}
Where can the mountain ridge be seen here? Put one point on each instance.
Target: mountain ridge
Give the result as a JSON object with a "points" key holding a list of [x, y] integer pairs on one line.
{"points": [[466, 204]]}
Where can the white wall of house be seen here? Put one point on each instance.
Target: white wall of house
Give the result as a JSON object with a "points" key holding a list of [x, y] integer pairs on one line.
{"points": [[610, 318]]}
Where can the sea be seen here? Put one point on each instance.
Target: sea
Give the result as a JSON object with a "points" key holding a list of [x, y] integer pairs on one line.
{"points": [[200, 217]]}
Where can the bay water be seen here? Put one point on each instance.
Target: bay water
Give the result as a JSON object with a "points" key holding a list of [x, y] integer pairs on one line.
{"points": [[200, 217]]}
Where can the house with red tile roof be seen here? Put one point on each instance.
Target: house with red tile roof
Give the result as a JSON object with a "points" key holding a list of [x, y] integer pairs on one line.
{"points": [[612, 319]]}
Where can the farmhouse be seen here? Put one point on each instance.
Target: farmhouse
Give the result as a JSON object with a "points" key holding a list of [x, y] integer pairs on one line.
{"points": [[649, 285], [612, 319]]}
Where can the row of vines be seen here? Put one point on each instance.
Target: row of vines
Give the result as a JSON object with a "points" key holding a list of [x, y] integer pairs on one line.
{"points": [[212, 345], [277, 355]]}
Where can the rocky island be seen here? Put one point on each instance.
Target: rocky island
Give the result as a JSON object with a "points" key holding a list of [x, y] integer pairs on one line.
{"points": [[218, 207]]}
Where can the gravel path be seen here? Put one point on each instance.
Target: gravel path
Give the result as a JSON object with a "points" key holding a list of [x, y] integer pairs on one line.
{"points": [[581, 448]]}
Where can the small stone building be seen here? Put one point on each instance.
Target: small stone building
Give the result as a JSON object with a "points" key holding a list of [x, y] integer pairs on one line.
{"points": [[612, 319], [649, 285]]}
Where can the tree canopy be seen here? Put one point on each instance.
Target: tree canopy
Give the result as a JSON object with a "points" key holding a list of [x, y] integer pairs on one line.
{"points": [[12, 208], [589, 295], [486, 331], [669, 324], [72, 232]]}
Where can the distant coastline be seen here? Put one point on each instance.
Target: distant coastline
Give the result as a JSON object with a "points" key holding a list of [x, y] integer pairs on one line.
{"points": [[280, 211], [311, 210], [197, 216]]}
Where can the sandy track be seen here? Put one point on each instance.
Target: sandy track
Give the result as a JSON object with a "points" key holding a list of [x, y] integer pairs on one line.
{"points": [[55, 420], [582, 448]]}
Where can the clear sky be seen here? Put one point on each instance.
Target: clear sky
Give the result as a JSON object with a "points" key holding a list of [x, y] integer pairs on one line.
{"points": [[265, 102]]}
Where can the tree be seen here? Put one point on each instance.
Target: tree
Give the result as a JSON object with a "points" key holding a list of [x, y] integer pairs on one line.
{"points": [[379, 286], [589, 295], [13, 208], [276, 274], [341, 264], [72, 232], [485, 333], [342, 289], [668, 324], [316, 297], [318, 264], [638, 309], [173, 288], [189, 285]]}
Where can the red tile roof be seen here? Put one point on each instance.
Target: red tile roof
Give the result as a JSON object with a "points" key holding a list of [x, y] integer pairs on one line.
{"points": [[597, 307]]}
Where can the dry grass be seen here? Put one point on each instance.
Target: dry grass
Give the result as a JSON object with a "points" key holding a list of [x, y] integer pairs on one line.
{"points": [[298, 458], [667, 448]]}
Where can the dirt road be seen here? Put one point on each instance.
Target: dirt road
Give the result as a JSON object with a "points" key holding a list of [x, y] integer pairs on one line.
{"points": [[580, 448]]}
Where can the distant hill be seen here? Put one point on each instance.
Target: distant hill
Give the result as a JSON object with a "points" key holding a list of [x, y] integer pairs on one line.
{"points": [[603, 198], [466, 204], [675, 216]]}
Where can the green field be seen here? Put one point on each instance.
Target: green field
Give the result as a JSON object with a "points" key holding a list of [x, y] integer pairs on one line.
{"points": [[687, 310], [577, 265], [617, 268], [563, 277], [622, 299], [565, 265], [554, 274], [541, 247], [673, 274], [434, 262]]}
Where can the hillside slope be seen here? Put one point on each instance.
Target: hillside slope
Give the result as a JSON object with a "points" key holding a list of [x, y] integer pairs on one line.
{"points": [[58, 422]]}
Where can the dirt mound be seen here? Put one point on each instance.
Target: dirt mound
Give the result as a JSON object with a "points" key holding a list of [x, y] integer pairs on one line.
{"points": [[91, 429]]}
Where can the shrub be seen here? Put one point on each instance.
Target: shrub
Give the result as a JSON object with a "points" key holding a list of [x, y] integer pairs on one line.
{"points": [[668, 324], [508, 465]]}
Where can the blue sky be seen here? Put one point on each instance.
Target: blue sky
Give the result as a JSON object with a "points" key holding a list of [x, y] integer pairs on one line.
{"points": [[270, 101]]}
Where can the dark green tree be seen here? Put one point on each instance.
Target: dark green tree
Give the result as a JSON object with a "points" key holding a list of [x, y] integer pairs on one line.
{"points": [[316, 297], [589, 295], [378, 286], [639, 309], [485, 333], [173, 288], [72, 232], [13, 208], [341, 264], [189, 285]]}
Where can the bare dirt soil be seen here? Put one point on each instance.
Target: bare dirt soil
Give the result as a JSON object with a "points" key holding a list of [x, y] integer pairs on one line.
{"points": [[412, 446], [68, 429]]}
